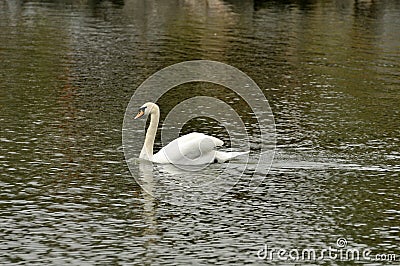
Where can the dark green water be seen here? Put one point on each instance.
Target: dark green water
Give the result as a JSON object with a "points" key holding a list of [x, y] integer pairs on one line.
{"points": [[331, 73]]}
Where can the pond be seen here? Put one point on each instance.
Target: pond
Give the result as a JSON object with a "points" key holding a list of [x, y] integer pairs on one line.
{"points": [[330, 71]]}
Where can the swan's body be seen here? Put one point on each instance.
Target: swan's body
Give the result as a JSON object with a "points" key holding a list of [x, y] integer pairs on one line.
{"points": [[191, 149]]}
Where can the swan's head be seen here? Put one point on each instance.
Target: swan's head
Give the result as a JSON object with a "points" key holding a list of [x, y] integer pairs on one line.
{"points": [[146, 109]]}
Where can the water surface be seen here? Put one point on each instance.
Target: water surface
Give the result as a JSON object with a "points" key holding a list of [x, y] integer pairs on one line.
{"points": [[330, 71]]}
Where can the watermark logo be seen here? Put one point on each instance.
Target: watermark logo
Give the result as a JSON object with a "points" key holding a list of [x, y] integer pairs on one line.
{"points": [[341, 242], [186, 183], [340, 252]]}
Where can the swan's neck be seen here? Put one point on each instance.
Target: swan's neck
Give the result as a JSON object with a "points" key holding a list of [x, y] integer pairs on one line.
{"points": [[147, 150]]}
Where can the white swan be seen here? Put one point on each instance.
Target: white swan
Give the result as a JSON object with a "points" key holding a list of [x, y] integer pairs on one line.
{"points": [[191, 149]]}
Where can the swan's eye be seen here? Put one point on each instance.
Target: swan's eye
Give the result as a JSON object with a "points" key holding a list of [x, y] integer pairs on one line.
{"points": [[140, 113]]}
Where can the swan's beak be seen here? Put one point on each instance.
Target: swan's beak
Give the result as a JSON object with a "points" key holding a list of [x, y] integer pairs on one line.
{"points": [[139, 114]]}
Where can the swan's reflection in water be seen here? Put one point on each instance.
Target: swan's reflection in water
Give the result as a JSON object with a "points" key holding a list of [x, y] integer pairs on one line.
{"points": [[149, 210], [189, 186]]}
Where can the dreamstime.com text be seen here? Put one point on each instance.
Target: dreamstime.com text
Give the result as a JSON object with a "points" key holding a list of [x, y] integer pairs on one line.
{"points": [[340, 252]]}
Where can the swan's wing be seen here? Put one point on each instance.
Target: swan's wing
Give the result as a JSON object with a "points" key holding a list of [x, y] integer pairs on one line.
{"points": [[190, 149]]}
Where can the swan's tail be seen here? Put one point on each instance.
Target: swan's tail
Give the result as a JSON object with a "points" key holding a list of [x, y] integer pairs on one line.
{"points": [[222, 156]]}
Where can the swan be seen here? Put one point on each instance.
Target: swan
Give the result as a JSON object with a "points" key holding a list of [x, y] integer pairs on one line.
{"points": [[191, 149]]}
